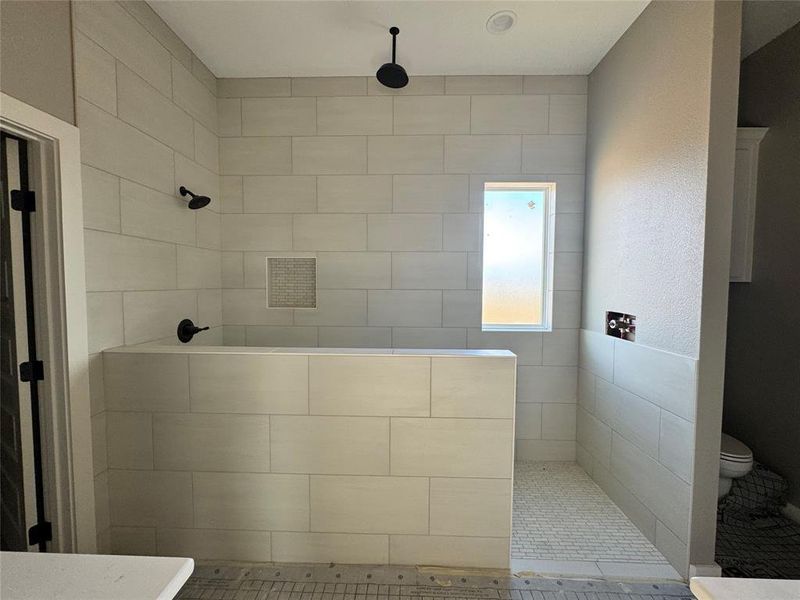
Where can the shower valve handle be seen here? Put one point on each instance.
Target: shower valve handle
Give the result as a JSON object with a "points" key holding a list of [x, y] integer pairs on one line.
{"points": [[187, 330]]}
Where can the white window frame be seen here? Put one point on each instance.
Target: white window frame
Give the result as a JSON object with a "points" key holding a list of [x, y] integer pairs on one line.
{"points": [[549, 189]]}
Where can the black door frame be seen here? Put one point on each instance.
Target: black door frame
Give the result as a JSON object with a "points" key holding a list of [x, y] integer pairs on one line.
{"points": [[30, 371]]}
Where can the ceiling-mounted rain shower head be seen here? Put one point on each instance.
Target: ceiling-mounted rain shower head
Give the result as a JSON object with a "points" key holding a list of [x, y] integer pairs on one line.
{"points": [[391, 74], [196, 201]]}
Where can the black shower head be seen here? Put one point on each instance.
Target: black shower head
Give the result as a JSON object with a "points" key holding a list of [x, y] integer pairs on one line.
{"points": [[391, 74], [196, 201]]}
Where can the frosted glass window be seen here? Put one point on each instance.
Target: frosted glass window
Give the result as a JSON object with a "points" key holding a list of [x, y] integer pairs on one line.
{"points": [[515, 252]]}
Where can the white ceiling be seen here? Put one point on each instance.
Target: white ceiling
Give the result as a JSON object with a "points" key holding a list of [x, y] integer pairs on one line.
{"points": [[764, 20], [312, 38]]}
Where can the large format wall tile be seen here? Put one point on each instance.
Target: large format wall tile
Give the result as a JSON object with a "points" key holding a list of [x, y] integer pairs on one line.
{"points": [[371, 386], [257, 232], [429, 270], [118, 148], [355, 194], [329, 86], [130, 440], [249, 307], [255, 87], [95, 74], [482, 154], [430, 193], [254, 501], [404, 232], [405, 154], [668, 380], [431, 114], [404, 308], [335, 445], [330, 155], [632, 417], [452, 447], [473, 507], [189, 93], [256, 383], [108, 24], [355, 337], [657, 487], [483, 84], [206, 147], [509, 114], [150, 498], [214, 544], [279, 194], [104, 320], [329, 232], [553, 153], [330, 547], [369, 504], [359, 270], [417, 86], [428, 337], [147, 109], [101, 209], [149, 314], [455, 551], [472, 387], [527, 346], [546, 384], [255, 156], [211, 442], [146, 213], [146, 382], [335, 307], [278, 116], [354, 116]]}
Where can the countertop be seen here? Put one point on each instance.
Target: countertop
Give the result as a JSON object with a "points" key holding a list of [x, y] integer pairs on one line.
{"points": [[35, 575], [729, 588]]}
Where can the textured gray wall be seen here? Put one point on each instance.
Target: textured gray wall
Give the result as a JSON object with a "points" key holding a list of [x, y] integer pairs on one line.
{"points": [[762, 374], [648, 147], [36, 55]]}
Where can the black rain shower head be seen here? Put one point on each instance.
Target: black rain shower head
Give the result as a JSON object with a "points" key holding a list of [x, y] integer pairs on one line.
{"points": [[391, 74], [196, 201]]}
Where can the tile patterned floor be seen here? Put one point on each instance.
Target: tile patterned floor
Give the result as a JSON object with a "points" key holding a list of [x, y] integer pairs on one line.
{"points": [[363, 582], [560, 514]]}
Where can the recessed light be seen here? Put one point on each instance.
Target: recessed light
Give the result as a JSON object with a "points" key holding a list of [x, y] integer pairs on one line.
{"points": [[502, 21]]}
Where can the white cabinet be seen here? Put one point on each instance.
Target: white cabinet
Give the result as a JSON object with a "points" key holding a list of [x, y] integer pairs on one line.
{"points": [[744, 201]]}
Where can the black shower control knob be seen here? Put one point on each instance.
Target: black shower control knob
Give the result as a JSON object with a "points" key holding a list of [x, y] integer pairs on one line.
{"points": [[187, 330]]}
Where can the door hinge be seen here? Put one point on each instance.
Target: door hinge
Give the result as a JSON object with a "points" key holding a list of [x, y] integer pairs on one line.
{"points": [[41, 532], [23, 201], [32, 370]]}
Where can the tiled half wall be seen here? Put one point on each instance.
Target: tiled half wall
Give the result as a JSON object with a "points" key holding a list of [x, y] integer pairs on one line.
{"points": [[387, 458], [636, 413]]}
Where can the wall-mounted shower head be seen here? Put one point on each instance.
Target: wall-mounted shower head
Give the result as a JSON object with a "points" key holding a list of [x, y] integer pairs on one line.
{"points": [[196, 201], [391, 74]]}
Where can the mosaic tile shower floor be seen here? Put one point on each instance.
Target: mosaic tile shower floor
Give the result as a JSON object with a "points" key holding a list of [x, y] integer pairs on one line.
{"points": [[561, 514], [361, 582]]}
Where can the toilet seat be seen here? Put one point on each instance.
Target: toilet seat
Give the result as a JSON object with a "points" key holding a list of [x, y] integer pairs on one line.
{"points": [[735, 458], [733, 450]]}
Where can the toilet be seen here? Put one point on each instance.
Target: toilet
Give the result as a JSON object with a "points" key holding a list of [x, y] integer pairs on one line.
{"points": [[735, 460]]}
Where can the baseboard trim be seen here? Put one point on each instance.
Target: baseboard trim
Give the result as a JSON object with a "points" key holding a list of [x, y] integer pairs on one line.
{"points": [[712, 570]]}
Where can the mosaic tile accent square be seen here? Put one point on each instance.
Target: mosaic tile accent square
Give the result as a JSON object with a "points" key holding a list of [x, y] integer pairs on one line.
{"points": [[291, 282]]}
